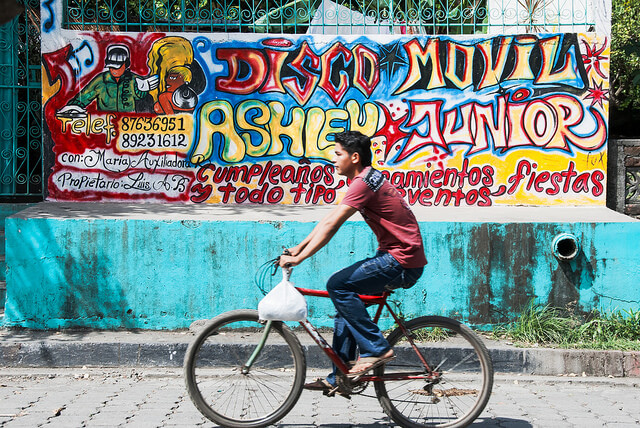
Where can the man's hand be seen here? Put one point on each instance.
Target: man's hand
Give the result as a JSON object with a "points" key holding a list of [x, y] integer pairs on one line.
{"points": [[145, 85], [288, 261], [294, 251]]}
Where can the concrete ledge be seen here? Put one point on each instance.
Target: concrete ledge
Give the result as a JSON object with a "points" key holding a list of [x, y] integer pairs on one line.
{"points": [[167, 349], [306, 213], [631, 364], [593, 363]]}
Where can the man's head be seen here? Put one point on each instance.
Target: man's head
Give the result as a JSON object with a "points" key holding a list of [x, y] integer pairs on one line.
{"points": [[355, 142], [118, 58]]}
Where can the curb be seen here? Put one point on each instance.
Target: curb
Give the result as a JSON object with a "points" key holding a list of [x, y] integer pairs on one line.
{"points": [[553, 362], [123, 353]]}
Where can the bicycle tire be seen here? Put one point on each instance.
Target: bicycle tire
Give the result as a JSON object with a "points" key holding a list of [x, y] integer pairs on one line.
{"points": [[217, 384], [450, 348]]}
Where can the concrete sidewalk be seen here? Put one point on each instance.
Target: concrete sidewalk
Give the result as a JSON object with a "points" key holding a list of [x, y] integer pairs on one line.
{"points": [[147, 348]]}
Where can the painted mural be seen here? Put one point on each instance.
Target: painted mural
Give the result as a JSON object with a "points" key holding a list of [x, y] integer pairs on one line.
{"points": [[455, 121]]}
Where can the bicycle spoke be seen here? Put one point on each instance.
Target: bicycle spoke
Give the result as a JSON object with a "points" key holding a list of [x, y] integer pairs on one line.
{"points": [[459, 391], [228, 394]]}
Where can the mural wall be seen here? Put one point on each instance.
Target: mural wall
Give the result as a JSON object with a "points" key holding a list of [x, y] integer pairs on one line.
{"points": [[456, 121]]}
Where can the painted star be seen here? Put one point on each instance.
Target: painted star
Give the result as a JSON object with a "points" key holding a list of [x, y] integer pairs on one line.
{"points": [[597, 94], [391, 130], [593, 57], [392, 58]]}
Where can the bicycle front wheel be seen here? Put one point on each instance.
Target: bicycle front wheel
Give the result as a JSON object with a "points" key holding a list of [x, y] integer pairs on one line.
{"points": [[463, 371], [237, 383]]}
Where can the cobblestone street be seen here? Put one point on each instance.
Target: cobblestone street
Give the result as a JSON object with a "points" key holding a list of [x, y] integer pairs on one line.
{"points": [[157, 398]]}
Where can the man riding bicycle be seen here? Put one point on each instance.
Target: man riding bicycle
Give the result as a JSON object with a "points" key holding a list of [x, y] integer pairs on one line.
{"points": [[398, 263]]}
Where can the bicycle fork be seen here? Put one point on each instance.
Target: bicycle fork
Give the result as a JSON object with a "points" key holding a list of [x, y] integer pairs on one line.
{"points": [[265, 334]]}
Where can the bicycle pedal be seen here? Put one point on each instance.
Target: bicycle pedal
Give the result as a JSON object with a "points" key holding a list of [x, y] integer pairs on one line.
{"points": [[334, 391], [331, 392]]}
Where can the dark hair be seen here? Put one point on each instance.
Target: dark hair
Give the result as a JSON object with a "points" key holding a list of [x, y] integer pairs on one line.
{"points": [[356, 142]]}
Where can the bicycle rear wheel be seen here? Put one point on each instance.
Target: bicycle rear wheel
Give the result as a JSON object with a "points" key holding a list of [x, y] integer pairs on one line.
{"points": [[453, 399], [228, 392]]}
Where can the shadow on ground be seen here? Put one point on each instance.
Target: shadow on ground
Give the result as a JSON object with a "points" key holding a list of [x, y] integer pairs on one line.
{"points": [[479, 423]]}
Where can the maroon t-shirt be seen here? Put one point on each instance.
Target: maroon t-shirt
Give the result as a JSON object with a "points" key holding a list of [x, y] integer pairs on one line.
{"points": [[388, 215]]}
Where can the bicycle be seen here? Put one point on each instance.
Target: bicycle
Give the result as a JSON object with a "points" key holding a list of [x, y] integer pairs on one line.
{"points": [[442, 374]]}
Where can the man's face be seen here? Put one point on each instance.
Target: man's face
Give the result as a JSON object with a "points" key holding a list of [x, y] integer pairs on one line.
{"points": [[117, 72], [344, 162]]}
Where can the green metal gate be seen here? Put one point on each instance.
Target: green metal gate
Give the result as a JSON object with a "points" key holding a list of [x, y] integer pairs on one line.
{"points": [[21, 166]]}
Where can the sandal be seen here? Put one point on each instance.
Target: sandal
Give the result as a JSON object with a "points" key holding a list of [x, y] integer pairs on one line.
{"points": [[370, 363], [319, 384]]}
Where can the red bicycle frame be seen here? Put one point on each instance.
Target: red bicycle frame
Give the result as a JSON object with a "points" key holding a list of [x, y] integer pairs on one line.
{"points": [[381, 301]]}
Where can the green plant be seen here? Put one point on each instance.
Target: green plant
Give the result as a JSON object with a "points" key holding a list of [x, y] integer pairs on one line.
{"points": [[543, 324], [538, 324], [432, 334], [619, 330], [625, 54]]}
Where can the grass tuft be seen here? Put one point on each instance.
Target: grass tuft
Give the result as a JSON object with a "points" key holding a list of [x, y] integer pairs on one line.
{"points": [[546, 325]]}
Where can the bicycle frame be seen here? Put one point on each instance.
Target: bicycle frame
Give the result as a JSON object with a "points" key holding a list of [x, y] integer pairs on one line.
{"points": [[381, 301], [252, 386]]}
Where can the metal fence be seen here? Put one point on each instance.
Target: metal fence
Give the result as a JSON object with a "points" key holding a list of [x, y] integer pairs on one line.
{"points": [[21, 154], [21, 172], [332, 16]]}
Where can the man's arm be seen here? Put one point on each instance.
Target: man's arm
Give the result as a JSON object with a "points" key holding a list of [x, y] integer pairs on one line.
{"points": [[319, 237], [294, 251]]}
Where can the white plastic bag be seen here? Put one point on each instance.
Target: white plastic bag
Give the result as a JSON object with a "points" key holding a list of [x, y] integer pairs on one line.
{"points": [[283, 303]]}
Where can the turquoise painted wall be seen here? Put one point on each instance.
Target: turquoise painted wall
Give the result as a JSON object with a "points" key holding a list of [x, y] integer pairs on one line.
{"points": [[5, 211], [163, 273]]}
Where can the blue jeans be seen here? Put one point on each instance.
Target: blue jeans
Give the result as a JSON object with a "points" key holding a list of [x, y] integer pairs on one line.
{"points": [[354, 329]]}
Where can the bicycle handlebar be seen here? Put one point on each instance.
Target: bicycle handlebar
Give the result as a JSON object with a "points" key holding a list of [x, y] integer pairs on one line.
{"points": [[285, 252]]}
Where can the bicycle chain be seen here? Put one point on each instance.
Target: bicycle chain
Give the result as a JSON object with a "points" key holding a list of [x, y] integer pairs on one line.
{"points": [[348, 387]]}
